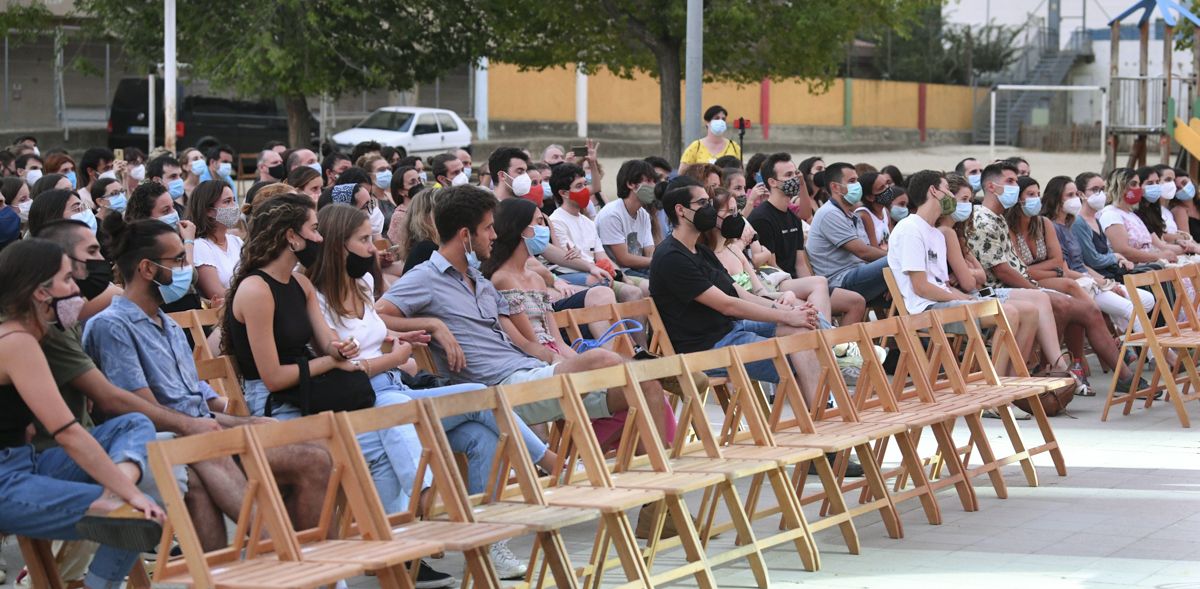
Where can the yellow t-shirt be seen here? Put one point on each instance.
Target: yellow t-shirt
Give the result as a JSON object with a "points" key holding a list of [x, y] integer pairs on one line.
{"points": [[697, 153]]}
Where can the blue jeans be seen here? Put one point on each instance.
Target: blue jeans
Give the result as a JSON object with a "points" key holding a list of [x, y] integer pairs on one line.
{"points": [[43, 495], [748, 332], [866, 280]]}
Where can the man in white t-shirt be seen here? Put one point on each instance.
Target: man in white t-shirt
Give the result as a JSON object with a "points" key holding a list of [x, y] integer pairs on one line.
{"points": [[917, 250], [624, 224]]}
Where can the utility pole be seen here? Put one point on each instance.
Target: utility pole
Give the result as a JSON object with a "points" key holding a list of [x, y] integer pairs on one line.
{"points": [[169, 71], [693, 71]]}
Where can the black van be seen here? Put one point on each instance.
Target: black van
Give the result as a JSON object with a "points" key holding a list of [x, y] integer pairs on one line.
{"points": [[202, 122]]}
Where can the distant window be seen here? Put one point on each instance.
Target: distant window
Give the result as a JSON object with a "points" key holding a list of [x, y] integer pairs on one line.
{"points": [[426, 125], [447, 121], [388, 120]]}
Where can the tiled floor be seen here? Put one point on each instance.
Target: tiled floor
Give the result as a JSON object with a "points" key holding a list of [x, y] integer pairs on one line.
{"points": [[1127, 515]]}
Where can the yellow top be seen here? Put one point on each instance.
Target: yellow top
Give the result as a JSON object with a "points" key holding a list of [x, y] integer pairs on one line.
{"points": [[697, 153]]}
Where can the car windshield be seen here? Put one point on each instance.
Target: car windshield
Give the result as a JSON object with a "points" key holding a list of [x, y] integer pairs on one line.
{"points": [[387, 120]]}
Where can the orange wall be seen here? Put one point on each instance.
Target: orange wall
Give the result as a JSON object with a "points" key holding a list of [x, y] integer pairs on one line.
{"points": [[550, 96]]}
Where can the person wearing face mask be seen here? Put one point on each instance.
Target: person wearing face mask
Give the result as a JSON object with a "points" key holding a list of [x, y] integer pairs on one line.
{"points": [[1155, 196], [381, 183], [874, 208], [217, 164], [713, 145], [1127, 232], [92, 273], [838, 246], [213, 210], [29, 168], [972, 170], [15, 211], [110, 197], [1183, 207], [96, 163], [53, 205], [270, 166], [1093, 243], [76, 490], [623, 225], [153, 201], [447, 171], [405, 185], [166, 171]]}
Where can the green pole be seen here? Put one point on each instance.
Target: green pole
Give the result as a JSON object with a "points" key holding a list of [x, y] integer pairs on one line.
{"points": [[848, 106]]}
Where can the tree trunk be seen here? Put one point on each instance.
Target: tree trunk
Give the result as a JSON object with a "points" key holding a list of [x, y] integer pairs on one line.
{"points": [[299, 131], [670, 79]]}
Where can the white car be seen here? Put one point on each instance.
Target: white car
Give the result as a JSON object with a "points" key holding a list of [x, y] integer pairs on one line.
{"points": [[413, 130]]}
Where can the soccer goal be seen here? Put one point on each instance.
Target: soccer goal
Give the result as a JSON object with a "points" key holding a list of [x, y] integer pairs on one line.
{"points": [[1036, 88]]}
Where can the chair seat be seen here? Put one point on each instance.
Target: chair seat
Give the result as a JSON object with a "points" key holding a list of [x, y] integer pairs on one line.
{"points": [[538, 518], [457, 537], [732, 468], [671, 483], [1179, 341], [607, 500], [266, 573], [905, 419], [1049, 382], [826, 442], [874, 431], [1012, 392], [957, 405], [782, 455], [371, 554]]}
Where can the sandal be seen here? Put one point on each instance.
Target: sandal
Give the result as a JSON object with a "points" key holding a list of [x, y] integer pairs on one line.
{"points": [[124, 527]]}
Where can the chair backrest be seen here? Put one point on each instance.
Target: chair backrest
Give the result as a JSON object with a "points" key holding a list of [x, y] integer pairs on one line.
{"points": [[1006, 352], [424, 358], [871, 390], [221, 375], [1182, 316], [787, 390], [691, 417], [898, 307], [908, 380], [576, 318], [1148, 319], [512, 455], [436, 456], [164, 456], [622, 377], [745, 417], [658, 338], [190, 322]]}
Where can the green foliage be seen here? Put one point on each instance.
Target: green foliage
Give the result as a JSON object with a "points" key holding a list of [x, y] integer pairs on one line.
{"points": [[25, 22], [938, 53]]}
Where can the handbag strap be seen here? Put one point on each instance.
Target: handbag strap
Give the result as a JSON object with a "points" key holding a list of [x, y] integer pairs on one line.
{"points": [[619, 328]]}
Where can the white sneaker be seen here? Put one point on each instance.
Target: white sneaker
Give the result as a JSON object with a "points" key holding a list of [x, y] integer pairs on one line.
{"points": [[507, 565]]}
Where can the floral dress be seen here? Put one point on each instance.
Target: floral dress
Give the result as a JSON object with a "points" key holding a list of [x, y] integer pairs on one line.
{"points": [[536, 306]]}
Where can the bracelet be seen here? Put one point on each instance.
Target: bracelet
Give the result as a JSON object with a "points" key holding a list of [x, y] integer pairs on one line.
{"points": [[189, 242]]}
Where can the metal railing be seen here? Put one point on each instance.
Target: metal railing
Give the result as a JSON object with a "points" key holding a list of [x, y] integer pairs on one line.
{"points": [[1140, 102]]}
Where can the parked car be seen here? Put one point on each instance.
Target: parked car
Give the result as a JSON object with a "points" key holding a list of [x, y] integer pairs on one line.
{"points": [[202, 121], [412, 130]]}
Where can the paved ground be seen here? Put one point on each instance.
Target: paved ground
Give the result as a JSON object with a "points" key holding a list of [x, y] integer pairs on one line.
{"points": [[1127, 515]]}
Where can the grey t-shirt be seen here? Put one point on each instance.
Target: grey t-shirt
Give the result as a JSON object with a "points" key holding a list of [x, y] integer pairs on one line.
{"points": [[436, 289], [831, 229], [615, 226]]}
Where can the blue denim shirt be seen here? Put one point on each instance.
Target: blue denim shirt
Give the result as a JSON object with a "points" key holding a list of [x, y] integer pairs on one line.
{"points": [[135, 353], [1089, 245]]}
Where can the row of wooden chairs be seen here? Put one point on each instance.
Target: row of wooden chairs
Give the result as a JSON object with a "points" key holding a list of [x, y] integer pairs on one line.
{"points": [[759, 441]]}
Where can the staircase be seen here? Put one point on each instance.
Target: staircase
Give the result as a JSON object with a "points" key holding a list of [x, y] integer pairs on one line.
{"points": [[1039, 64]]}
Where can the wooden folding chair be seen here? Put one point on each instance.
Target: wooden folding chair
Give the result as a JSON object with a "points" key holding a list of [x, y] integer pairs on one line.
{"points": [[977, 375], [880, 400], [573, 320], [244, 563], [525, 501], [659, 344], [190, 322], [898, 307], [377, 550], [705, 455], [658, 475], [223, 378], [42, 566], [461, 533]]}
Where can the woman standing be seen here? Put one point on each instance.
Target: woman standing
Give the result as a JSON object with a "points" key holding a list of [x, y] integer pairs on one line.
{"points": [[713, 145], [85, 488]]}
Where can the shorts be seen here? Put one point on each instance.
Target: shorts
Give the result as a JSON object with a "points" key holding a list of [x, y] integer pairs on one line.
{"points": [[548, 410], [748, 332]]}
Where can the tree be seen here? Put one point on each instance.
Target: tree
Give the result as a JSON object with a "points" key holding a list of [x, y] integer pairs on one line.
{"points": [[937, 53], [745, 42], [298, 48]]}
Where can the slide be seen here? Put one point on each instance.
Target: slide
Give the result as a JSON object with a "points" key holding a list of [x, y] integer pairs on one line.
{"points": [[1188, 136]]}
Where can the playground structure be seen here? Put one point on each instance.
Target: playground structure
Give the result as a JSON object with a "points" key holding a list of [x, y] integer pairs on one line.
{"points": [[1143, 105]]}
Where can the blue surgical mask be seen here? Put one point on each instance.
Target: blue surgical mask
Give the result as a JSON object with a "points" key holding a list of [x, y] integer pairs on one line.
{"points": [[10, 224], [198, 167], [545, 189], [717, 126], [88, 217], [1032, 206], [181, 281], [853, 193], [175, 188], [467, 171], [224, 169], [383, 179], [588, 177], [540, 240], [316, 166], [962, 212], [1188, 192], [1153, 192], [472, 259], [71, 176], [117, 202], [899, 213], [171, 218], [1010, 196], [976, 181]]}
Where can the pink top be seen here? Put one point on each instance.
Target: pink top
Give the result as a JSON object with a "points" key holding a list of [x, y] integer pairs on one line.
{"points": [[1139, 236]]}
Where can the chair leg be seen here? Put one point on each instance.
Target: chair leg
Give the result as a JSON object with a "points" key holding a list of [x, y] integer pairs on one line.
{"points": [[916, 469], [975, 423], [1018, 445], [793, 518], [966, 493], [690, 540], [878, 487]]}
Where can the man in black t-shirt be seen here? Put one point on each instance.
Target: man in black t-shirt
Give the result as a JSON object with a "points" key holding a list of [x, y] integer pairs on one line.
{"points": [[778, 229], [701, 306]]}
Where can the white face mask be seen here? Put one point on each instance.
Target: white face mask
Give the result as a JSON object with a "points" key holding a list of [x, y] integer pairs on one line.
{"points": [[138, 173], [521, 185], [461, 179], [1097, 201], [1073, 205], [1168, 190], [376, 220], [32, 176], [23, 210], [109, 174]]}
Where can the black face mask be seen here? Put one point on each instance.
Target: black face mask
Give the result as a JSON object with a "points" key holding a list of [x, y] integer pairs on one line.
{"points": [[99, 278], [705, 218], [309, 254], [357, 266], [277, 171], [732, 227]]}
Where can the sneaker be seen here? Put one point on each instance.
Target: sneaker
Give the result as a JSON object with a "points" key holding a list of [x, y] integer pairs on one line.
{"points": [[508, 566], [427, 578]]}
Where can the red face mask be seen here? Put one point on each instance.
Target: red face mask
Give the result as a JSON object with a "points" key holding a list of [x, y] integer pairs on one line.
{"points": [[1133, 196], [580, 197], [535, 195]]}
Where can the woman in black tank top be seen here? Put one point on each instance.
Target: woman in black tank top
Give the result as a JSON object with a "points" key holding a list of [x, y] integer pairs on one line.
{"points": [[67, 492], [272, 316]]}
